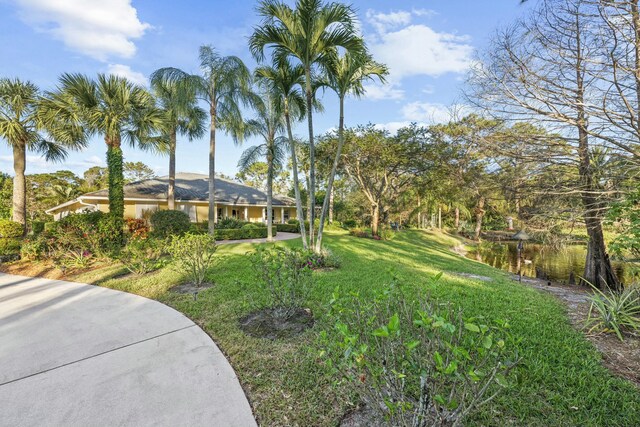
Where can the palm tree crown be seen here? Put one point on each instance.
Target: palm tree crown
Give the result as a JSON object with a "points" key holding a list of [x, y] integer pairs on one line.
{"points": [[113, 107], [24, 127]]}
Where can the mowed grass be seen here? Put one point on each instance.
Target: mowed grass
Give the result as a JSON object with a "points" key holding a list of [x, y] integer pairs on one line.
{"points": [[562, 382]]}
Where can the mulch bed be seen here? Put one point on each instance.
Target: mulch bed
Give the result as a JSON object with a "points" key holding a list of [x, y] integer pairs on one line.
{"points": [[269, 323]]}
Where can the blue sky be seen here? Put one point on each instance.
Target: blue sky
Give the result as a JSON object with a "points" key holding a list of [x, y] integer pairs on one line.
{"points": [[428, 46]]}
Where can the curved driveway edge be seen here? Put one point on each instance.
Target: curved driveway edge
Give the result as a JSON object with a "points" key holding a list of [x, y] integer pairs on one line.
{"points": [[73, 354]]}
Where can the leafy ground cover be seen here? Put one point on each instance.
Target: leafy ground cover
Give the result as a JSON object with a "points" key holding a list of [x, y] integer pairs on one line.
{"points": [[561, 382]]}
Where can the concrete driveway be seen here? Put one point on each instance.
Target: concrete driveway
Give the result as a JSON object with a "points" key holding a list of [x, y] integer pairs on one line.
{"points": [[78, 355]]}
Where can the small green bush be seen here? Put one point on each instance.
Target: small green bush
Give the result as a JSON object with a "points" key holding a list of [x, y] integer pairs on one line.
{"points": [[285, 276], [242, 233], [51, 226], [249, 226], [350, 223], [10, 229], [288, 228], [37, 227], [143, 255], [9, 249], [193, 256], [293, 221], [168, 223], [35, 248], [417, 362]]}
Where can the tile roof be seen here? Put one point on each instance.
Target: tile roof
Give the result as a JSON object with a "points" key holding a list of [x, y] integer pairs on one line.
{"points": [[193, 186]]}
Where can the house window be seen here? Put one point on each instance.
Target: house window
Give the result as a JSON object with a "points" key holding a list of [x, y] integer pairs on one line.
{"points": [[235, 213], [286, 214], [273, 214], [189, 210], [144, 209], [219, 214]]}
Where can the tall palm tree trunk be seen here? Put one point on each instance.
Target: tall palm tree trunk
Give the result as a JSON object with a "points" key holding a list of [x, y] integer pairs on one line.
{"points": [[212, 173], [296, 182], [19, 213], [334, 168], [116, 176], [270, 191], [171, 189], [312, 159]]}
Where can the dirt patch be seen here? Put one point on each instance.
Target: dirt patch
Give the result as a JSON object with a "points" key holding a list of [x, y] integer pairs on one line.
{"points": [[272, 324], [363, 417], [620, 357], [190, 288]]}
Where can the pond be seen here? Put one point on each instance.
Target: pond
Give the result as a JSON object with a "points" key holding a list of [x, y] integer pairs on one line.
{"points": [[539, 261]]}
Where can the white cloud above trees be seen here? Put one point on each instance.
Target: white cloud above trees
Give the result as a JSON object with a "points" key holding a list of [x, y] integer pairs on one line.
{"points": [[99, 29], [413, 49]]}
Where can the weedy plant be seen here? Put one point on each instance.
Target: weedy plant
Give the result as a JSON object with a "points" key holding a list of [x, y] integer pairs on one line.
{"points": [[193, 256], [616, 312], [417, 363], [285, 275]]}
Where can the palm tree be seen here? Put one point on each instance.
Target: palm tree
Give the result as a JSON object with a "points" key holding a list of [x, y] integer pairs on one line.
{"points": [[285, 81], [24, 128], [345, 75], [177, 99], [268, 124], [224, 85], [115, 108], [309, 33]]}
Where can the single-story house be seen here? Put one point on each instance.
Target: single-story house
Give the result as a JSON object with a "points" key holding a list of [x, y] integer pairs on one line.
{"points": [[233, 200]]}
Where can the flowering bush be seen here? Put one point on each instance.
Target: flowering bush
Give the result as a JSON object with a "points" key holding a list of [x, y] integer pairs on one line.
{"points": [[323, 259]]}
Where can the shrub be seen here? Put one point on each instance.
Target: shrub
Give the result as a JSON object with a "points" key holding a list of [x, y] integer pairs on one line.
{"points": [[416, 363], [350, 223], [37, 227], [51, 226], [288, 228], [359, 232], [323, 259], [193, 255], [293, 221], [9, 249], [249, 226], [386, 233], [141, 256], [138, 228], [10, 229], [36, 248], [615, 312], [230, 223], [242, 233], [166, 224], [285, 276]]}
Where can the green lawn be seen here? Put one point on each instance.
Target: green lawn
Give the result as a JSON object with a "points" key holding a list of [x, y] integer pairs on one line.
{"points": [[562, 382]]}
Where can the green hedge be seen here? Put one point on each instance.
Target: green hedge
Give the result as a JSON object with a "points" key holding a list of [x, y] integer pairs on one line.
{"points": [[242, 233], [288, 228], [167, 223]]}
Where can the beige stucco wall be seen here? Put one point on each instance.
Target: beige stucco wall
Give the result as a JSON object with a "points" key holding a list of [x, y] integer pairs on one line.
{"points": [[254, 213]]}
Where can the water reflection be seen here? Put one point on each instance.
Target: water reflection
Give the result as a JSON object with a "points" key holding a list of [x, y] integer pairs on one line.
{"points": [[539, 261]]}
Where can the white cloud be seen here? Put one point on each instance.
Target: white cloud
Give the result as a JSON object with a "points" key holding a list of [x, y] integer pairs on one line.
{"points": [[128, 73], [393, 127], [99, 29], [426, 112], [419, 50], [383, 22], [377, 91]]}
